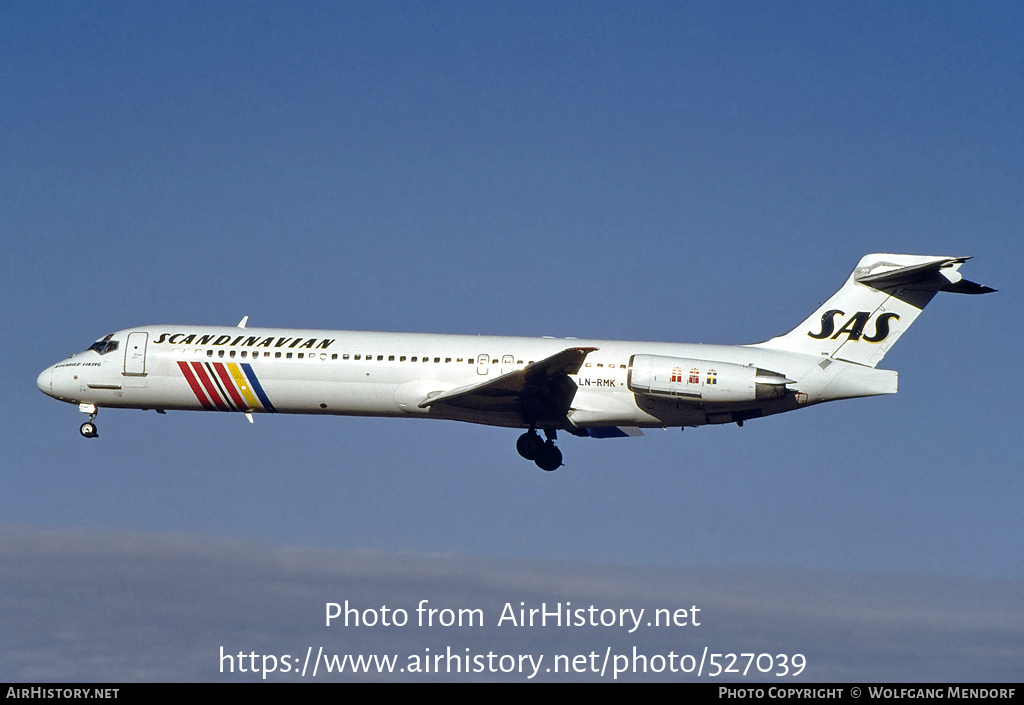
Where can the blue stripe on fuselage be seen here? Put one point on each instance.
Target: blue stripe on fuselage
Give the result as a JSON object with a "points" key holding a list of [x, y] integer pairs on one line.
{"points": [[256, 387]]}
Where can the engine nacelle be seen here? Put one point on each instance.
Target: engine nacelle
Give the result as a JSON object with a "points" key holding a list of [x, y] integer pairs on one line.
{"points": [[702, 380]]}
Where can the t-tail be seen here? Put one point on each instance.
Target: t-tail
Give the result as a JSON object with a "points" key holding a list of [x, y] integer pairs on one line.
{"points": [[881, 299]]}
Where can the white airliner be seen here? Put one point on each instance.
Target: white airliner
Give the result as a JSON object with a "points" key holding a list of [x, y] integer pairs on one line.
{"points": [[597, 388]]}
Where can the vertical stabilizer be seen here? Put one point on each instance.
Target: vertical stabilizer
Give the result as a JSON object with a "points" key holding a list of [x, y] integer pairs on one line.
{"points": [[881, 298]]}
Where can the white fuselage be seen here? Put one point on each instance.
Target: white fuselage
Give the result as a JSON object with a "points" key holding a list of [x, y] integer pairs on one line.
{"points": [[392, 374]]}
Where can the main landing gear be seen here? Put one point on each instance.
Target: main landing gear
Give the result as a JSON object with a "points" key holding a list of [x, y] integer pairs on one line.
{"points": [[544, 453], [88, 429]]}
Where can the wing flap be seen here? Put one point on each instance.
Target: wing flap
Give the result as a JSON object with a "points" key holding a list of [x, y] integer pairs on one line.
{"points": [[613, 431]]}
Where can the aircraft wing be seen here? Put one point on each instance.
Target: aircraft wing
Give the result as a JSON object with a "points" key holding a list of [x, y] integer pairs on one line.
{"points": [[541, 391]]}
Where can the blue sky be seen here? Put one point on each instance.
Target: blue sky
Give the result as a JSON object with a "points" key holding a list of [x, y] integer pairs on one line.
{"points": [[698, 172]]}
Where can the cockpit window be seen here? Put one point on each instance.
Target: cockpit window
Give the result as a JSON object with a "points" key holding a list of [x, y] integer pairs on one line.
{"points": [[104, 346]]}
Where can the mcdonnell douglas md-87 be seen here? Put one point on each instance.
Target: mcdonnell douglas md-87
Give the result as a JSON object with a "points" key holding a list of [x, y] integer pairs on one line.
{"points": [[597, 388]]}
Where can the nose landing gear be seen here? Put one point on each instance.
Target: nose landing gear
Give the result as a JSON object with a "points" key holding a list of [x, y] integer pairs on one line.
{"points": [[545, 454], [88, 429]]}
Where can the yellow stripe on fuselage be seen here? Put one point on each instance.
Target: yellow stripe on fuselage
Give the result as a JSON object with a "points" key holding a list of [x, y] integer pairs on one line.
{"points": [[243, 386]]}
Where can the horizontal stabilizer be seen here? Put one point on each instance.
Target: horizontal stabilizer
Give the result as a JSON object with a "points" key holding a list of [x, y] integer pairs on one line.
{"points": [[938, 275], [965, 287]]}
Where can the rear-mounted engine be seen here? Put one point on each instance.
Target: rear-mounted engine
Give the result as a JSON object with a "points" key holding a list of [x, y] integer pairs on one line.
{"points": [[703, 380]]}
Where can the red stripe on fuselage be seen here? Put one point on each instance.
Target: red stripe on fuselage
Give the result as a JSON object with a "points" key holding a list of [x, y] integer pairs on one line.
{"points": [[208, 384], [196, 389], [229, 384]]}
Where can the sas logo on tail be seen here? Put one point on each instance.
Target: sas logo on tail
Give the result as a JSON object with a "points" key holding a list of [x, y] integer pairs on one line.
{"points": [[854, 327]]}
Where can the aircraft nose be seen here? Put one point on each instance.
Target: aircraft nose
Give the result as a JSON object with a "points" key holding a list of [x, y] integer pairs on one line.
{"points": [[45, 381]]}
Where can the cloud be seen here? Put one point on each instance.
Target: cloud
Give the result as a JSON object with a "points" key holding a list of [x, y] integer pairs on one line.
{"points": [[93, 606]]}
